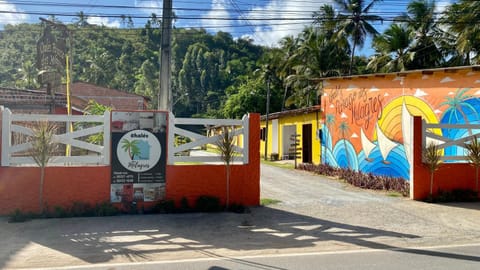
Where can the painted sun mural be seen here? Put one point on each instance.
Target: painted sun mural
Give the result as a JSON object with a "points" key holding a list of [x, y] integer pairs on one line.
{"points": [[368, 120]]}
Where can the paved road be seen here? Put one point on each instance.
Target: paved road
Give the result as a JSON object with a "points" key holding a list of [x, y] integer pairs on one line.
{"points": [[316, 214], [463, 257]]}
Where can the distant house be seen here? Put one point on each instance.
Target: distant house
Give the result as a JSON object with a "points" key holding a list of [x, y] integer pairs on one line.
{"points": [[116, 99], [286, 127], [38, 101]]}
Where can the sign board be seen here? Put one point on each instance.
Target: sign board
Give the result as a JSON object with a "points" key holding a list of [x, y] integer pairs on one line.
{"points": [[138, 156]]}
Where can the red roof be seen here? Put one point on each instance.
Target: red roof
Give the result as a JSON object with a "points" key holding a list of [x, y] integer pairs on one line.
{"points": [[116, 99]]}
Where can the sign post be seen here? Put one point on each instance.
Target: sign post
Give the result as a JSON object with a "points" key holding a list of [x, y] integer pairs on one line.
{"points": [[139, 142]]}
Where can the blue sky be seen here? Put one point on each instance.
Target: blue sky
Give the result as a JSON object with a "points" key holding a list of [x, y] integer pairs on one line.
{"points": [[265, 21]]}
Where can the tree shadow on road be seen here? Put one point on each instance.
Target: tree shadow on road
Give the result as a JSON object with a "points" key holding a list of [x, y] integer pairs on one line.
{"points": [[149, 237]]}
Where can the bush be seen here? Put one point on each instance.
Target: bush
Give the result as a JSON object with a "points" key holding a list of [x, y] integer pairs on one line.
{"points": [[359, 179], [207, 203], [456, 195], [19, 216], [237, 208], [105, 209], [164, 207], [184, 206]]}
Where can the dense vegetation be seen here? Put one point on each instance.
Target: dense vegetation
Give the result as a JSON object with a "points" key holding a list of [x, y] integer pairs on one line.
{"points": [[215, 75]]}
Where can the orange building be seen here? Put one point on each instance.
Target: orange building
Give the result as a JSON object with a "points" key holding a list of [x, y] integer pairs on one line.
{"points": [[367, 118]]}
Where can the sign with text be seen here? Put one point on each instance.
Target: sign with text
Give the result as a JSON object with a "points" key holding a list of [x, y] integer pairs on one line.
{"points": [[138, 156]]}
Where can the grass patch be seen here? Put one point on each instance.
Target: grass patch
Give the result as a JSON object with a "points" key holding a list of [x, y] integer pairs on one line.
{"points": [[394, 194], [279, 164], [268, 201]]}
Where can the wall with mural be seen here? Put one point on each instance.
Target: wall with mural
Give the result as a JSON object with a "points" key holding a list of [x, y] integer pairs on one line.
{"points": [[367, 119]]}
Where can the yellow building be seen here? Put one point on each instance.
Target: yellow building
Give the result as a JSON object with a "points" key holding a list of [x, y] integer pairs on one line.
{"points": [[283, 127]]}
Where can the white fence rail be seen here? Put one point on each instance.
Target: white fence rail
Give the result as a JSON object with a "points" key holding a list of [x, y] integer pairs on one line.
{"points": [[16, 152], [469, 132], [19, 125], [241, 128]]}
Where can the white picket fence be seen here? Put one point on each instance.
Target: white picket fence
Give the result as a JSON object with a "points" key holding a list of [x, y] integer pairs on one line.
{"points": [[240, 131], [16, 152], [471, 132]]}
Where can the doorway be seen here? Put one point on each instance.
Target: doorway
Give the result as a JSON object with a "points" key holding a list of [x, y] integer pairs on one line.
{"points": [[307, 143]]}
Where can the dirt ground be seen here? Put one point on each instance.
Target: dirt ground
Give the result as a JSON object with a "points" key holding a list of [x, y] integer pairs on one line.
{"points": [[314, 214]]}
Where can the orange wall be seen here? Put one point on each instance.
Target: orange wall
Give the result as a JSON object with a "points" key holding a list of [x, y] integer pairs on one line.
{"points": [[19, 186], [448, 177]]}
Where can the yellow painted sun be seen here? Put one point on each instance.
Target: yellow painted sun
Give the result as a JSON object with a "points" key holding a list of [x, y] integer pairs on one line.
{"points": [[390, 121]]}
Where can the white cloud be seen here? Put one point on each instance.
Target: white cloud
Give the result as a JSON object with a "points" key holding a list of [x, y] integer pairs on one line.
{"points": [[332, 106], [343, 115], [279, 15], [351, 87], [447, 80], [420, 93], [354, 135], [213, 18], [477, 93], [11, 18], [437, 111], [103, 21], [374, 89], [150, 6]]}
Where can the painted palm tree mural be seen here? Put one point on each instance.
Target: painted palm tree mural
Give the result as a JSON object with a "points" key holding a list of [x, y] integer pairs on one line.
{"points": [[131, 147], [369, 121], [344, 129], [462, 108]]}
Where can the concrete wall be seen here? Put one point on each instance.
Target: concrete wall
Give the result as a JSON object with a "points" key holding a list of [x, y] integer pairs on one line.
{"points": [[19, 186], [448, 177]]}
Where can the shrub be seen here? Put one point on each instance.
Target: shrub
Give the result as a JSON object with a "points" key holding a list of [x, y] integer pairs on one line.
{"points": [[184, 206], [81, 209], [359, 179], [207, 203], [19, 216], [237, 208], [164, 207], [105, 209]]}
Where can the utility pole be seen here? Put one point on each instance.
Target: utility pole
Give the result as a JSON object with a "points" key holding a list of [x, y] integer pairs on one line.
{"points": [[165, 91], [266, 117]]}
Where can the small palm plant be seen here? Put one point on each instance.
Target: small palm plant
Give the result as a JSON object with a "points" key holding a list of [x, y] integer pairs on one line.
{"points": [[226, 147], [473, 155], [43, 147], [431, 156]]}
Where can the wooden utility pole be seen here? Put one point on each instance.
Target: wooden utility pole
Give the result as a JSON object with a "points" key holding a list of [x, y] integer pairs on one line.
{"points": [[165, 91]]}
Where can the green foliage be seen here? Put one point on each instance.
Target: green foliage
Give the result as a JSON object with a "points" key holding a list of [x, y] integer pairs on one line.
{"points": [[473, 155], [77, 209], [164, 207], [268, 201], [361, 180], [431, 157], [207, 203], [456, 195]]}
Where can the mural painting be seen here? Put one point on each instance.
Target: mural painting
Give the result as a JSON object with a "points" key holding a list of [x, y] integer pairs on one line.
{"points": [[367, 123]]}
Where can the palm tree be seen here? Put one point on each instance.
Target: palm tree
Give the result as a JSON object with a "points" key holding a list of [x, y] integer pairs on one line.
{"points": [[43, 147], [227, 153], [431, 156], [344, 129], [420, 18], [131, 147], [462, 42], [473, 155], [81, 20], [355, 21], [28, 75], [393, 50], [455, 105]]}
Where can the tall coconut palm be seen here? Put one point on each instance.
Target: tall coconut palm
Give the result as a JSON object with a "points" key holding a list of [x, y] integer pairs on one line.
{"points": [[462, 34], [421, 19], [355, 22], [392, 50], [131, 147]]}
